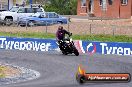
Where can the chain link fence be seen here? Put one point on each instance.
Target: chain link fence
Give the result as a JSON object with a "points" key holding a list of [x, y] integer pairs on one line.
{"points": [[76, 26]]}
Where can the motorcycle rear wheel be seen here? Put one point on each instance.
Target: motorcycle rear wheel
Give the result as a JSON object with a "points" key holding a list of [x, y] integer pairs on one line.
{"points": [[76, 52], [64, 53]]}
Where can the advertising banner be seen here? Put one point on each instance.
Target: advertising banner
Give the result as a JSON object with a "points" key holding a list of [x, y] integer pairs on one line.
{"points": [[89, 47], [28, 44]]}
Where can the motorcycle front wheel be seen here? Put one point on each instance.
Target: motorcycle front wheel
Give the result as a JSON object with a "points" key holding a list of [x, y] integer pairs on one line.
{"points": [[76, 51]]}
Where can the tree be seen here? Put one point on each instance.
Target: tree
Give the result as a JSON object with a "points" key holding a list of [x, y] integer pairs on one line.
{"points": [[72, 7], [67, 7]]}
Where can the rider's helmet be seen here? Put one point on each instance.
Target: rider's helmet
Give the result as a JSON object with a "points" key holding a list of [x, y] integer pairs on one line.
{"points": [[60, 28]]}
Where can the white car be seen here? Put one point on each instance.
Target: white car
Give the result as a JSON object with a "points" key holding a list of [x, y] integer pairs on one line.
{"points": [[16, 12]]}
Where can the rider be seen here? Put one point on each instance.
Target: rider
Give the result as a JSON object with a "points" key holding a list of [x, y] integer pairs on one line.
{"points": [[60, 35]]}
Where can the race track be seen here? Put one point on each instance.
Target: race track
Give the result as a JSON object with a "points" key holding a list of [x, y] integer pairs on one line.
{"points": [[58, 70]]}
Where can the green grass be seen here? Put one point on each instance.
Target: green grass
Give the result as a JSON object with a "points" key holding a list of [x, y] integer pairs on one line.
{"points": [[104, 38], [2, 68], [28, 35]]}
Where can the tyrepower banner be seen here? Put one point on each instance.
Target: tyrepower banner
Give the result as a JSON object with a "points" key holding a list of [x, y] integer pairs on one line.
{"points": [[28, 44], [91, 47]]}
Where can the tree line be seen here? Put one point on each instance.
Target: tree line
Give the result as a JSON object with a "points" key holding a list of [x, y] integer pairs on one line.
{"points": [[63, 7]]}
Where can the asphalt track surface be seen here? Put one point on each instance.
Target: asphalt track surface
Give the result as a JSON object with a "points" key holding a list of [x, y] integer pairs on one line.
{"points": [[58, 70]]}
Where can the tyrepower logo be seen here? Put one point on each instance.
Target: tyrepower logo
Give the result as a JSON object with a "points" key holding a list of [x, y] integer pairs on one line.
{"points": [[91, 48], [115, 50], [24, 45]]}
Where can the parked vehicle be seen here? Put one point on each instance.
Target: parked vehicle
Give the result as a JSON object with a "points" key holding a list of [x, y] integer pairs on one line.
{"points": [[42, 19], [16, 12]]}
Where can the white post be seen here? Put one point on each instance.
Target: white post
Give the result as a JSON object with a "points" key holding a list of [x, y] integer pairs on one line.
{"points": [[1, 5]]}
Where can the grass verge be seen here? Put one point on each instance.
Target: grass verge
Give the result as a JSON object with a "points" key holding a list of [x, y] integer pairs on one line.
{"points": [[2, 74], [104, 38]]}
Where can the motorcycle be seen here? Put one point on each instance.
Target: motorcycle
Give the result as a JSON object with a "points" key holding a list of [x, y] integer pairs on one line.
{"points": [[67, 46]]}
